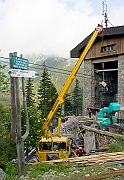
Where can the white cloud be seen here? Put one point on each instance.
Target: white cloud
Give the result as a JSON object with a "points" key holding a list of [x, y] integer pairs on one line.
{"points": [[45, 26], [116, 16]]}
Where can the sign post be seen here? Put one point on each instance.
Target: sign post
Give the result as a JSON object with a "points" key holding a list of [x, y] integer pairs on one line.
{"points": [[19, 68], [23, 73]]}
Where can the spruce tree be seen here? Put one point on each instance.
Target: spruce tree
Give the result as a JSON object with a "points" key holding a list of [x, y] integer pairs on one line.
{"points": [[4, 85], [29, 92], [47, 93], [67, 104], [36, 123], [77, 99]]}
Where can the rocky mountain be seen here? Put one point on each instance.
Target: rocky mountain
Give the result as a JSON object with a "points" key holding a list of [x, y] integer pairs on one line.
{"points": [[59, 68]]}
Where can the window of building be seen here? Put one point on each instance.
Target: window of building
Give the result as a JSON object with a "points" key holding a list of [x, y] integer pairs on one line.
{"points": [[108, 48]]}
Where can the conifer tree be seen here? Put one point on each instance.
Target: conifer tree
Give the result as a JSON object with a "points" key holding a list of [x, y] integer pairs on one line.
{"points": [[47, 93], [77, 99], [67, 104], [4, 86], [36, 123], [29, 92]]}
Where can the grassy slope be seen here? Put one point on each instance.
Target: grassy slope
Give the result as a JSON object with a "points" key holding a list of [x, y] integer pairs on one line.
{"points": [[63, 171]]}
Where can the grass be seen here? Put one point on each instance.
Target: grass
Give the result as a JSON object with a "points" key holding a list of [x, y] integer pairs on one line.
{"points": [[68, 171]]}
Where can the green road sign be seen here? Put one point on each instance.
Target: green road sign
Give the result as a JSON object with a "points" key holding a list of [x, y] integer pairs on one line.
{"points": [[20, 63]]}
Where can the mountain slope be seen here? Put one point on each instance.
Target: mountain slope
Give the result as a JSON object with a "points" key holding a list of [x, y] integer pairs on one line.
{"points": [[59, 68]]}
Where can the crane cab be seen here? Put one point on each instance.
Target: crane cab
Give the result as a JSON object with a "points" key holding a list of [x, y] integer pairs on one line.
{"points": [[53, 148]]}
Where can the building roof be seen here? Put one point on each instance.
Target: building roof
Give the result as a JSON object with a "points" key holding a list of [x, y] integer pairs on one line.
{"points": [[110, 32]]}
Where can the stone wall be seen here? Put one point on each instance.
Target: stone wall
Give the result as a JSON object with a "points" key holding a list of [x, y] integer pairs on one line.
{"points": [[88, 86], [121, 80]]}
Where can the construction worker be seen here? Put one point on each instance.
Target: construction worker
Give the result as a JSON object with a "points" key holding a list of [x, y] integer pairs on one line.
{"points": [[80, 152], [89, 113]]}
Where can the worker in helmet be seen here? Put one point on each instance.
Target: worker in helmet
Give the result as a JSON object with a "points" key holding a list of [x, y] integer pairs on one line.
{"points": [[80, 152]]}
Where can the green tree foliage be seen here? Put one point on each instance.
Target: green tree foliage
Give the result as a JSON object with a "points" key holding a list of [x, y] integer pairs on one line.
{"points": [[7, 146], [68, 104], [35, 123], [118, 146], [29, 93], [3, 79], [77, 99], [47, 93]]}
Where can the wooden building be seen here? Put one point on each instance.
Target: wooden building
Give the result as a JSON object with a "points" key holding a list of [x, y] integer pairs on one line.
{"points": [[103, 74]]}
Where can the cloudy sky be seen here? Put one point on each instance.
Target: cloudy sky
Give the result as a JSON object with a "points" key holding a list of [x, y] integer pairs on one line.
{"points": [[52, 27]]}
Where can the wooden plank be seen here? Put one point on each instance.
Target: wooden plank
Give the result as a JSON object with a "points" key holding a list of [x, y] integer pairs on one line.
{"points": [[101, 132], [93, 158]]}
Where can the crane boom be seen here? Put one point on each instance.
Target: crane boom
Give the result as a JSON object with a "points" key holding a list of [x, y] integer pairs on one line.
{"points": [[60, 100]]}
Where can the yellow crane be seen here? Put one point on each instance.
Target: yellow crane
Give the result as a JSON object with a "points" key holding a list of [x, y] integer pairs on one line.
{"points": [[46, 149]]}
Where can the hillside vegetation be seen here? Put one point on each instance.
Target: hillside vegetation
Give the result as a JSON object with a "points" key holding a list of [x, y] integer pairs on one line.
{"points": [[59, 69]]}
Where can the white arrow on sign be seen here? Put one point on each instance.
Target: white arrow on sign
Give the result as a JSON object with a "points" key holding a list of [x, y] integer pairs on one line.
{"points": [[22, 73]]}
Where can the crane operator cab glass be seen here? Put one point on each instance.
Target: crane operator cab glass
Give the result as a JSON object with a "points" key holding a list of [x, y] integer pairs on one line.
{"points": [[54, 148]]}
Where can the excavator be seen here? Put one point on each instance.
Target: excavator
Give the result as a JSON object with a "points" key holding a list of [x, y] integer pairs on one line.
{"points": [[52, 145], [106, 115]]}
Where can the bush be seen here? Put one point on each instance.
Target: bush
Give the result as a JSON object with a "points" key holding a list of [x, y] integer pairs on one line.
{"points": [[118, 146], [7, 146]]}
